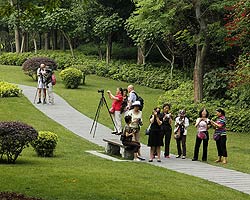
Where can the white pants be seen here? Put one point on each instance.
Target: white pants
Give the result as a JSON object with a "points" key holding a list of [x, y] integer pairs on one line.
{"points": [[117, 116], [50, 93]]}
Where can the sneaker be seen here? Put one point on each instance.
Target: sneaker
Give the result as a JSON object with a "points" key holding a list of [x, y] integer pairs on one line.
{"points": [[150, 160], [137, 159], [158, 160], [141, 158], [183, 157], [178, 156]]}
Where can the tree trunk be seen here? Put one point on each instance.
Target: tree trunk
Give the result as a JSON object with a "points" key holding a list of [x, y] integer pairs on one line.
{"points": [[46, 41], [100, 51], [141, 60], [22, 43], [35, 45], [69, 42], [109, 49], [201, 50], [17, 40]]}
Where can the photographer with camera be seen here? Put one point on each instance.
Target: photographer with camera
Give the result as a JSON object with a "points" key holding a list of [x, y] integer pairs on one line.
{"points": [[181, 124], [48, 83], [116, 109], [155, 139], [41, 86]]}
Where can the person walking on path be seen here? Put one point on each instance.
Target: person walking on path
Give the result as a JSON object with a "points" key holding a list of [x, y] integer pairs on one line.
{"points": [[155, 139], [202, 124], [128, 138], [221, 139], [181, 124], [41, 83], [166, 117], [116, 110], [136, 116]]}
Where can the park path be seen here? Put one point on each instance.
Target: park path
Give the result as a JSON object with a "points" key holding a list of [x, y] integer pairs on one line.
{"points": [[79, 124]]}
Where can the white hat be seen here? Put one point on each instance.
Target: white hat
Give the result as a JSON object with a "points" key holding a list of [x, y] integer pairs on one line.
{"points": [[136, 103]]}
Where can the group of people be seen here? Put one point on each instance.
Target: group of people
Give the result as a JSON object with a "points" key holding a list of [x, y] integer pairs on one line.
{"points": [[45, 84], [125, 103]]}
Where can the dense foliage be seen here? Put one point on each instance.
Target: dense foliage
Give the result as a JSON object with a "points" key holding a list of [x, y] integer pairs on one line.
{"points": [[31, 65], [9, 90], [14, 137], [71, 77], [45, 144]]}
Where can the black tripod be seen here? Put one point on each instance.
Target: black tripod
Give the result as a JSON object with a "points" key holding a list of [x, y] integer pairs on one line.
{"points": [[101, 102]]}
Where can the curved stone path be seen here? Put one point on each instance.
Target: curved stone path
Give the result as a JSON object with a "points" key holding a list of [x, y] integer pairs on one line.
{"points": [[79, 124]]}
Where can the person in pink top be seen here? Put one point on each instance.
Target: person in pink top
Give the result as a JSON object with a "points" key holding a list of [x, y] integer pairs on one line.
{"points": [[116, 109], [202, 124]]}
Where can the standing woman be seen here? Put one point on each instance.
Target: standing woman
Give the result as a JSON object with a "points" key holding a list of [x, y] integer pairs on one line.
{"points": [[202, 124], [181, 124], [124, 102], [155, 139], [220, 129], [166, 117], [116, 109], [136, 122]]}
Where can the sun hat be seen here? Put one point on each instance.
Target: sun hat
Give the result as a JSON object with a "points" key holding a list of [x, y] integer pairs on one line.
{"points": [[136, 103]]}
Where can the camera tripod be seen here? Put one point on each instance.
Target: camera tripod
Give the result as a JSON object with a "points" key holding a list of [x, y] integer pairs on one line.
{"points": [[101, 102]]}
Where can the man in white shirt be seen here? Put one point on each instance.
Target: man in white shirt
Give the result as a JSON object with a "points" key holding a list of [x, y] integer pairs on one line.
{"points": [[132, 96], [41, 71]]}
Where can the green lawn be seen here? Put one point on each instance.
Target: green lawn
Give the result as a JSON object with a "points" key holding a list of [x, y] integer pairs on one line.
{"points": [[74, 174]]}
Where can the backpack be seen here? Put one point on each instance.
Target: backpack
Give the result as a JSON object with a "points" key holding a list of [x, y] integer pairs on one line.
{"points": [[53, 77], [138, 98]]}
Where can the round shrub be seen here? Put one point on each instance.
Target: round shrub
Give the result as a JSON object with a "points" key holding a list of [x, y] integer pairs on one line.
{"points": [[31, 65], [71, 77], [9, 90], [45, 144], [14, 137]]}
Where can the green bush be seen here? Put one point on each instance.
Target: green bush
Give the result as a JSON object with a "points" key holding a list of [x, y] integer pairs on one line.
{"points": [[45, 144], [9, 90], [13, 58], [14, 137], [71, 77]]}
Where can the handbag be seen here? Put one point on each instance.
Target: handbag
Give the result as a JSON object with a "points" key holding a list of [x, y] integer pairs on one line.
{"points": [[216, 136], [147, 131], [202, 135]]}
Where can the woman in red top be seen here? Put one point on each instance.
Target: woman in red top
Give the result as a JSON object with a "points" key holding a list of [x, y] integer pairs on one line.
{"points": [[116, 109]]}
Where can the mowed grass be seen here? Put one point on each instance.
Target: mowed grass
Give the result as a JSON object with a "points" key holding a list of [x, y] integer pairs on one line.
{"points": [[75, 174]]}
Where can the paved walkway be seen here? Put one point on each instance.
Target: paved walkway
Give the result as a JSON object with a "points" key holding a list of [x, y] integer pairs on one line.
{"points": [[79, 124]]}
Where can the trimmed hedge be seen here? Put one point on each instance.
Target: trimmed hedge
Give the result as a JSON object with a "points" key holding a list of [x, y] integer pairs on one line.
{"points": [[45, 144], [14, 137], [9, 90], [71, 77]]}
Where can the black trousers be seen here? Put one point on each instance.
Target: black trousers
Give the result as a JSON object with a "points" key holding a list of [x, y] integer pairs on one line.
{"points": [[197, 147], [222, 146], [179, 141], [167, 134]]}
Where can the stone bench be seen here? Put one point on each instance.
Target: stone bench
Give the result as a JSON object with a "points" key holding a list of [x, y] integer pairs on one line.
{"points": [[115, 147]]}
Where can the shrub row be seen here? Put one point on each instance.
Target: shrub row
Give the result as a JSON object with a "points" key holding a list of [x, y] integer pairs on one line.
{"points": [[150, 76], [9, 90], [182, 98]]}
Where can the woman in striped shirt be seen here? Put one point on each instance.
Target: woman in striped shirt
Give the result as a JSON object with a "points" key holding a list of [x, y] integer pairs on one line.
{"points": [[220, 128]]}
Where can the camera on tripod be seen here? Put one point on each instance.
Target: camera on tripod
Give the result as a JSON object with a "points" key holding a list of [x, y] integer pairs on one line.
{"points": [[101, 91]]}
